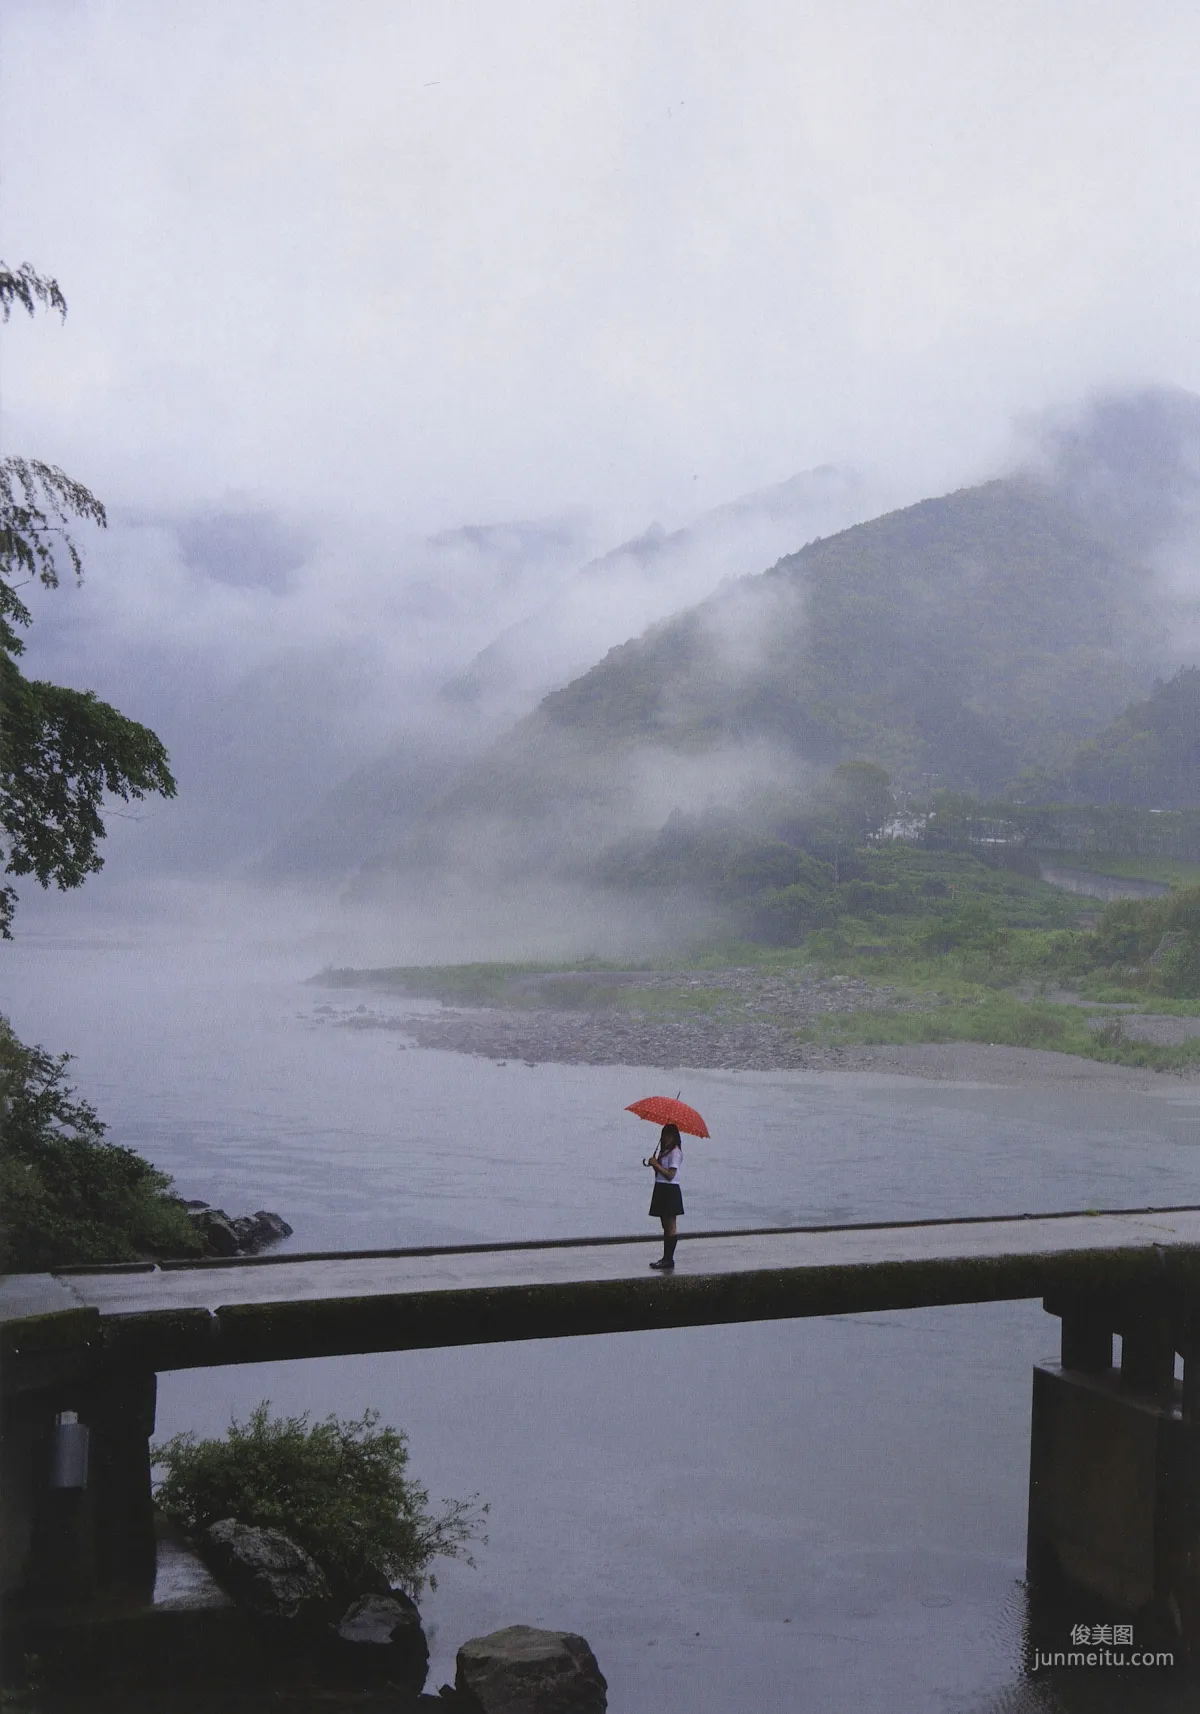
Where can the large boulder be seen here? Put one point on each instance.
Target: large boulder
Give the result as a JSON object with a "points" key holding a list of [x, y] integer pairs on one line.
{"points": [[237, 1234], [382, 1635], [520, 1670], [216, 1228], [268, 1226], [265, 1572]]}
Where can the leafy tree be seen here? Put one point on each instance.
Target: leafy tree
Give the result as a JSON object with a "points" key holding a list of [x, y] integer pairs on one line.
{"points": [[859, 796], [61, 751], [973, 925], [782, 916], [1154, 942], [67, 1195], [339, 1489], [1149, 756]]}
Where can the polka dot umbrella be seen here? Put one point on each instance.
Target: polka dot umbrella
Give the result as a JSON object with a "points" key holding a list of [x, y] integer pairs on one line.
{"points": [[662, 1110]]}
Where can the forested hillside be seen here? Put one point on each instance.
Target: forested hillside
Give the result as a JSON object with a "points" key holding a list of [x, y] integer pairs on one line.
{"points": [[1149, 757], [954, 643]]}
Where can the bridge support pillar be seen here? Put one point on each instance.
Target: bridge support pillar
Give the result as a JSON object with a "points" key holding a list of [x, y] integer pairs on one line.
{"points": [[78, 1507], [1114, 1472]]}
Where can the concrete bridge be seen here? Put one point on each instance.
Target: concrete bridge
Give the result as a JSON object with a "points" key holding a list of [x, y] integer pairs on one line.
{"points": [[1115, 1449]]}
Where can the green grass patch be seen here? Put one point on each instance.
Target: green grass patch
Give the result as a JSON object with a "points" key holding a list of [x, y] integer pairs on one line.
{"points": [[1171, 871], [1001, 1020], [1007, 959], [1109, 994], [997, 1019]]}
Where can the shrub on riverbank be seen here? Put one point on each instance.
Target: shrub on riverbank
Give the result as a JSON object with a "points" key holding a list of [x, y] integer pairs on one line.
{"points": [[1000, 1020], [339, 1489], [777, 894], [66, 1195], [1154, 943]]}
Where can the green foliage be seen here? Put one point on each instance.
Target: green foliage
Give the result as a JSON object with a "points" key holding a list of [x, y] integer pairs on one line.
{"points": [[1127, 933], [1140, 948], [1081, 832], [782, 916], [994, 1018], [66, 1195], [859, 795], [961, 642], [712, 858], [966, 636], [1005, 1020], [973, 923], [1150, 755], [777, 893], [37, 502], [61, 751], [1154, 943], [340, 1489], [25, 286], [1167, 871]]}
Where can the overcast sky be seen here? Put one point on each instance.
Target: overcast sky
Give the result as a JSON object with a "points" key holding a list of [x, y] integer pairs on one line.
{"points": [[461, 261]]}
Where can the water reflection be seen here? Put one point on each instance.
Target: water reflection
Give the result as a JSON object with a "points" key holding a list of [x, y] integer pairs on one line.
{"points": [[830, 1513]]}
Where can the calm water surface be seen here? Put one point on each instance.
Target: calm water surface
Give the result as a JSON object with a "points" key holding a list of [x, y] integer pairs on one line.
{"points": [[822, 1515]]}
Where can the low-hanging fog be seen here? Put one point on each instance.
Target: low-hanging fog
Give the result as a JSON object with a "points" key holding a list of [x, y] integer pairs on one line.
{"points": [[423, 355]]}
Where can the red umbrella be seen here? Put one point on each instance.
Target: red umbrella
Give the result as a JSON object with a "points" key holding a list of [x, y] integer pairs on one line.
{"points": [[661, 1110]]}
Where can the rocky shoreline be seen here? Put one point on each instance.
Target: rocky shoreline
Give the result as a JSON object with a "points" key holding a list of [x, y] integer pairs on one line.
{"points": [[734, 1020], [246, 1620], [578, 1039], [235, 1234], [727, 1020], [290, 1616]]}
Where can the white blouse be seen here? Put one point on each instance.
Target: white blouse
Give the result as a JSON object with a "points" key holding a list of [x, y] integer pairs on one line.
{"points": [[673, 1157]]}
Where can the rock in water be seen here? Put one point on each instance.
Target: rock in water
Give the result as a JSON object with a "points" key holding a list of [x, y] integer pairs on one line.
{"points": [[237, 1234], [520, 1670], [264, 1571], [218, 1231], [269, 1225], [383, 1634]]}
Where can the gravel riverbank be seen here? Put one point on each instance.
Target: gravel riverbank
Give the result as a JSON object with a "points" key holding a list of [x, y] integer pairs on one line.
{"points": [[727, 1020], [582, 1039]]}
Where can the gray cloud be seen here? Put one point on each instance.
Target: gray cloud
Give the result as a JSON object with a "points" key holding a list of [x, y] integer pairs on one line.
{"points": [[449, 262], [354, 284]]}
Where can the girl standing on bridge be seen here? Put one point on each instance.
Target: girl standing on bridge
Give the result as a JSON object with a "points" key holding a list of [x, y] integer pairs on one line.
{"points": [[666, 1202]]}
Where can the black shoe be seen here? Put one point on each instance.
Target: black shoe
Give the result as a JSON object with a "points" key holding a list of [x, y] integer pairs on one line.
{"points": [[664, 1266]]}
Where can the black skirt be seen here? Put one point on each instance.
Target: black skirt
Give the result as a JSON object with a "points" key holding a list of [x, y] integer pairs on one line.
{"points": [[667, 1199]]}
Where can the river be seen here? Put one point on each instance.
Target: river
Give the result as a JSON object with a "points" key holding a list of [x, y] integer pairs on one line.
{"points": [[823, 1515]]}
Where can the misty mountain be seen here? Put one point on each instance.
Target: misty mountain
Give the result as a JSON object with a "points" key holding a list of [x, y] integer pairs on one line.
{"points": [[371, 810], [1129, 463], [954, 643], [276, 657], [1149, 758], [578, 615], [244, 547], [648, 578], [321, 685]]}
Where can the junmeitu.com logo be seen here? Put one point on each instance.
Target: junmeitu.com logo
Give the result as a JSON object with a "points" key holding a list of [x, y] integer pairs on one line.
{"points": [[1100, 1645]]}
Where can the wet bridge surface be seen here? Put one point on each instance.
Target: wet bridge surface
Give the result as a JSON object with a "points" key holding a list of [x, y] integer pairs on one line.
{"points": [[183, 1315]]}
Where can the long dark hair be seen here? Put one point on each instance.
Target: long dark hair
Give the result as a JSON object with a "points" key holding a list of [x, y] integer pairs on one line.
{"points": [[669, 1139]]}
